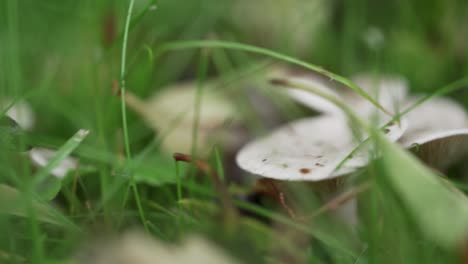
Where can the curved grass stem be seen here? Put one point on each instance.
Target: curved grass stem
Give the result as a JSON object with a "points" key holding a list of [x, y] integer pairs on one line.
{"points": [[253, 49], [124, 118]]}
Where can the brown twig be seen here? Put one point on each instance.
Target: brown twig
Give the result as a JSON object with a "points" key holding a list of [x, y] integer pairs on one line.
{"points": [[267, 187], [116, 88], [341, 199]]}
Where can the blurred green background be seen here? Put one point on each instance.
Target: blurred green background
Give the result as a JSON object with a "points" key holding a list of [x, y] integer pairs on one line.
{"points": [[63, 57]]}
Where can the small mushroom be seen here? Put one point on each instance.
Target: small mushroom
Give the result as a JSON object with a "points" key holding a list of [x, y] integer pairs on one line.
{"points": [[171, 113], [292, 23], [138, 247], [41, 157], [20, 111]]}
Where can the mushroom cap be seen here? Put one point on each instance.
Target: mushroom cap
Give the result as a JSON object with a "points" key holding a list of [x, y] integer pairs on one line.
{"points": [[390, 91], [308, 149], [171, 113], [438, 130], [21, 112]]}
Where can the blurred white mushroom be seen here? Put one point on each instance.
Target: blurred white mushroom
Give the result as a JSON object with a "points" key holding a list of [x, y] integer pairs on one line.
{"points": [[438, 132], [139, 248], [374, 38], [21, 112], [171, 113], [41, 157], [389, 91], [291, 23], [310, 149]]}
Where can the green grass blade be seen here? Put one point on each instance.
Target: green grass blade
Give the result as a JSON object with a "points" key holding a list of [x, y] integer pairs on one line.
{"points": [[201, 76], [219, 164], [439, 210], [60, 155], [12, 203], [248, 48], [124, 116]]}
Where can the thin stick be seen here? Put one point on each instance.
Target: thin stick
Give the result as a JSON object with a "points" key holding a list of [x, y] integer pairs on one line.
{"points": [[122, 80], [273, 54], [341, 199], [278, 195]]}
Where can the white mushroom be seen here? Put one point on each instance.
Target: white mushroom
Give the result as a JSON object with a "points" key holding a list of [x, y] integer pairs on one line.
{"points": [[41, 157], [292, 23], [438, 132], [308, 150], [137, 247], [172, 113], [21, 112]]}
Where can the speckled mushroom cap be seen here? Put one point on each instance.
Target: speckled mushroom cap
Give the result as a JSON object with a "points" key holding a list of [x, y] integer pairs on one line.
{"points": [[309, 149]]}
